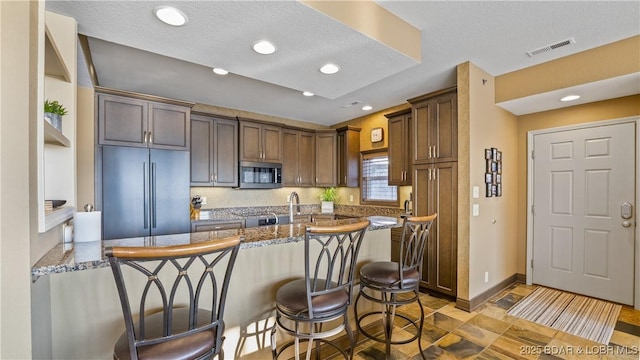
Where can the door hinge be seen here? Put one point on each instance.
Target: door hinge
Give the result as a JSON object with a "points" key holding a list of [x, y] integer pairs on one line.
{"points": [[532, 263], [533, 154], [533, 211]]}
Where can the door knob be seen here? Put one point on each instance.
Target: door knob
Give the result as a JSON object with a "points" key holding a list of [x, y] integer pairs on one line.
{"points": [[626, 223]]}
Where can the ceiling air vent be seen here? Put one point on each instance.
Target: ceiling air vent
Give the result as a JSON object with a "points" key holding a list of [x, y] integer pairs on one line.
{"points": [[551, 47], [354, 103]]}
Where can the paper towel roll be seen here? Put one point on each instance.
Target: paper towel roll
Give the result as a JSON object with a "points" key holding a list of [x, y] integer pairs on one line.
{"points": [[87, 226]]}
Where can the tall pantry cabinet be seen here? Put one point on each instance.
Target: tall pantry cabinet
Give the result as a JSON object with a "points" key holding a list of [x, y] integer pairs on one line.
{"points": [[435, 183]]}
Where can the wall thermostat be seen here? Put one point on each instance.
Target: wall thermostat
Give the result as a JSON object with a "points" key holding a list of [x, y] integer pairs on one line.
{"points": [[376, 134]]}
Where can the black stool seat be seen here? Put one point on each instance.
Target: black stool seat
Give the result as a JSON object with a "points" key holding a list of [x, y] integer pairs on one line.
{"points": [[386, 274], [291, 299], [188, 347]]}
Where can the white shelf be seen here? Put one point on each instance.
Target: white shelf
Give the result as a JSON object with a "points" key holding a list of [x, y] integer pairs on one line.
{"points": [[54, 137], [57, 216], [54, 65]]}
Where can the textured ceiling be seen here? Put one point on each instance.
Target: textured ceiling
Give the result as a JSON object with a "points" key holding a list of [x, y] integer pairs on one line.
{"points": [[133, 51]]}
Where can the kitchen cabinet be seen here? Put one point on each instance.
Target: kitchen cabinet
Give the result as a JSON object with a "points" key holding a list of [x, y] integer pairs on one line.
{"points": [[435, 127], [145, 192], [260, 142], [399, 147], [348, 152], [214, 151], [136, 122], [435, 189], [298, 165], [215, 225], [326, 158]]}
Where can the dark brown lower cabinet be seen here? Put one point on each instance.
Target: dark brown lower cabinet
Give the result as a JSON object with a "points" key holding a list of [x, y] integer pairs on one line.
{"points": [[435, 190]]}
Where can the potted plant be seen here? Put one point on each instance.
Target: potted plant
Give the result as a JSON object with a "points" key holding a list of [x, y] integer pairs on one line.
{"points": [[53, 112], [328, 196]]}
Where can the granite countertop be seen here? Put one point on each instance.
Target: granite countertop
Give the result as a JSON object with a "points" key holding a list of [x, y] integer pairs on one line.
{"points": [[78, 256]]}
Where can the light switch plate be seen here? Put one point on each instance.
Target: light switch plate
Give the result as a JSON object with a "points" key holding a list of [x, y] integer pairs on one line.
{"points": [[476, 192], [204, 200], [476, 209]]}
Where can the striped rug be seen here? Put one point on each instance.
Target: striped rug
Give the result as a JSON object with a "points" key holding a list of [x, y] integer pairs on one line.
{"points": [[578, 315]]}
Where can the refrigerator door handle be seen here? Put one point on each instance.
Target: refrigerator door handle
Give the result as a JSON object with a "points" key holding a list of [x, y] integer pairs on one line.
{"points": [[153, 195], [145, 181]]}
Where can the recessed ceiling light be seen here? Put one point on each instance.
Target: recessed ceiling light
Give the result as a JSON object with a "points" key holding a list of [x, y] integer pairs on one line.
{"points": [[367, 107], [220, 71], [170, 15], [307, 93], [330, 69], [264, 47], [570, 98]]}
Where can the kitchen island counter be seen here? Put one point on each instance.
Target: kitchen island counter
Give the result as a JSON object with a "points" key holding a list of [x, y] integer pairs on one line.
{"points": [[79, 256], [81, 309]]}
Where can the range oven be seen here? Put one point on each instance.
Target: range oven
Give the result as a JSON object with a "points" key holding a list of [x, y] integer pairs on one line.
{"points": [[258, 175]]}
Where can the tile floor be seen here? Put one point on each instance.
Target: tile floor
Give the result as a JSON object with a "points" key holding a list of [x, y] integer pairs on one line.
{"points": [[489, 333]]}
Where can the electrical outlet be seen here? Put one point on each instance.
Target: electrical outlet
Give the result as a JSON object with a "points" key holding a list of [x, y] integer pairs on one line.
{"points": [[486, 276], [476, 192], [288, 197], [350, 198], [476, 209], [204, 200]]}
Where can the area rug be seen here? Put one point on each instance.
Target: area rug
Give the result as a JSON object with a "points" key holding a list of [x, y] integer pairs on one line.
{"points": [[578, 315]]}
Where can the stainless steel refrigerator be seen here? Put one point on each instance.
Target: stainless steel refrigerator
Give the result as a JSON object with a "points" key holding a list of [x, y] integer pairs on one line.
{"points": [[144, 192]]}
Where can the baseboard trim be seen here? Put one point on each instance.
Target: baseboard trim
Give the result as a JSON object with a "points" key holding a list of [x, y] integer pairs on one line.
{"points": [[471, 305]]}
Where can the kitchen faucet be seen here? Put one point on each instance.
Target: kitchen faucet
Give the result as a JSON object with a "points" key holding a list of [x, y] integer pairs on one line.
{"points": [[291, 196]]}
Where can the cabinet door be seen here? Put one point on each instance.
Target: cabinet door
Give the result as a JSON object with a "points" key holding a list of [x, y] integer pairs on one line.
{"points": [[225, 152], [306, 159], [201, 151], [445, 129], [169, 126], [326, 159], [422, 121], [122, 121], [398, 148], [271, 144], [348, 158], [290, 158], [435, 191], [250, 144]]}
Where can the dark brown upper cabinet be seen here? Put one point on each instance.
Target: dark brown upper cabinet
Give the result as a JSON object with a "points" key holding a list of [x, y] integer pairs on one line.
{"points": [[298, 158], [326, 158], [348, 139], [260, 142], [435, 125], [399, 147], [129, 121], [214, 151]]}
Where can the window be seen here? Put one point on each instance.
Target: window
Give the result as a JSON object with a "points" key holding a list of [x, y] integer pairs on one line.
{"points": [[375, 180]]}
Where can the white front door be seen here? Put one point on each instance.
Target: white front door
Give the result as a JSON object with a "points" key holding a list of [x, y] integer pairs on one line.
{"points": [[583, 180]]}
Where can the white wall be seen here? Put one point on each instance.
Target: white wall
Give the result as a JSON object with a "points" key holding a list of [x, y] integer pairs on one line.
{"points": [[18, 24]]}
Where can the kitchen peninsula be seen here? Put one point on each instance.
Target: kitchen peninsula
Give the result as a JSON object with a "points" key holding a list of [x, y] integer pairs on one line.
{"points": [[86, 317]]}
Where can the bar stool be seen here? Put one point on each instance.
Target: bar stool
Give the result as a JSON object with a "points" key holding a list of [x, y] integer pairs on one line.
{"points": [[177, 281], [397, 283], [315, 308]]}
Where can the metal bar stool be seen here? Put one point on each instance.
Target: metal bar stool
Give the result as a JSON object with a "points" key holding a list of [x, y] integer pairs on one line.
{"points": [[315, 308], [397, 283], [173, 285]]}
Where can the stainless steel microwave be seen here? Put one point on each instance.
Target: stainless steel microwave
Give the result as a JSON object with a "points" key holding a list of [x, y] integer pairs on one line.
{"points": [[259, 175]]}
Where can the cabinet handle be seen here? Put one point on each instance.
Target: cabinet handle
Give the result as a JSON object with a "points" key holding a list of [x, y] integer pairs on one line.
{"points": [[150, 138], [211, 177], [436, 172], [429, 175], [436, 151], [144, 137], [345, 179], [215, 177], [430, 152]]}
